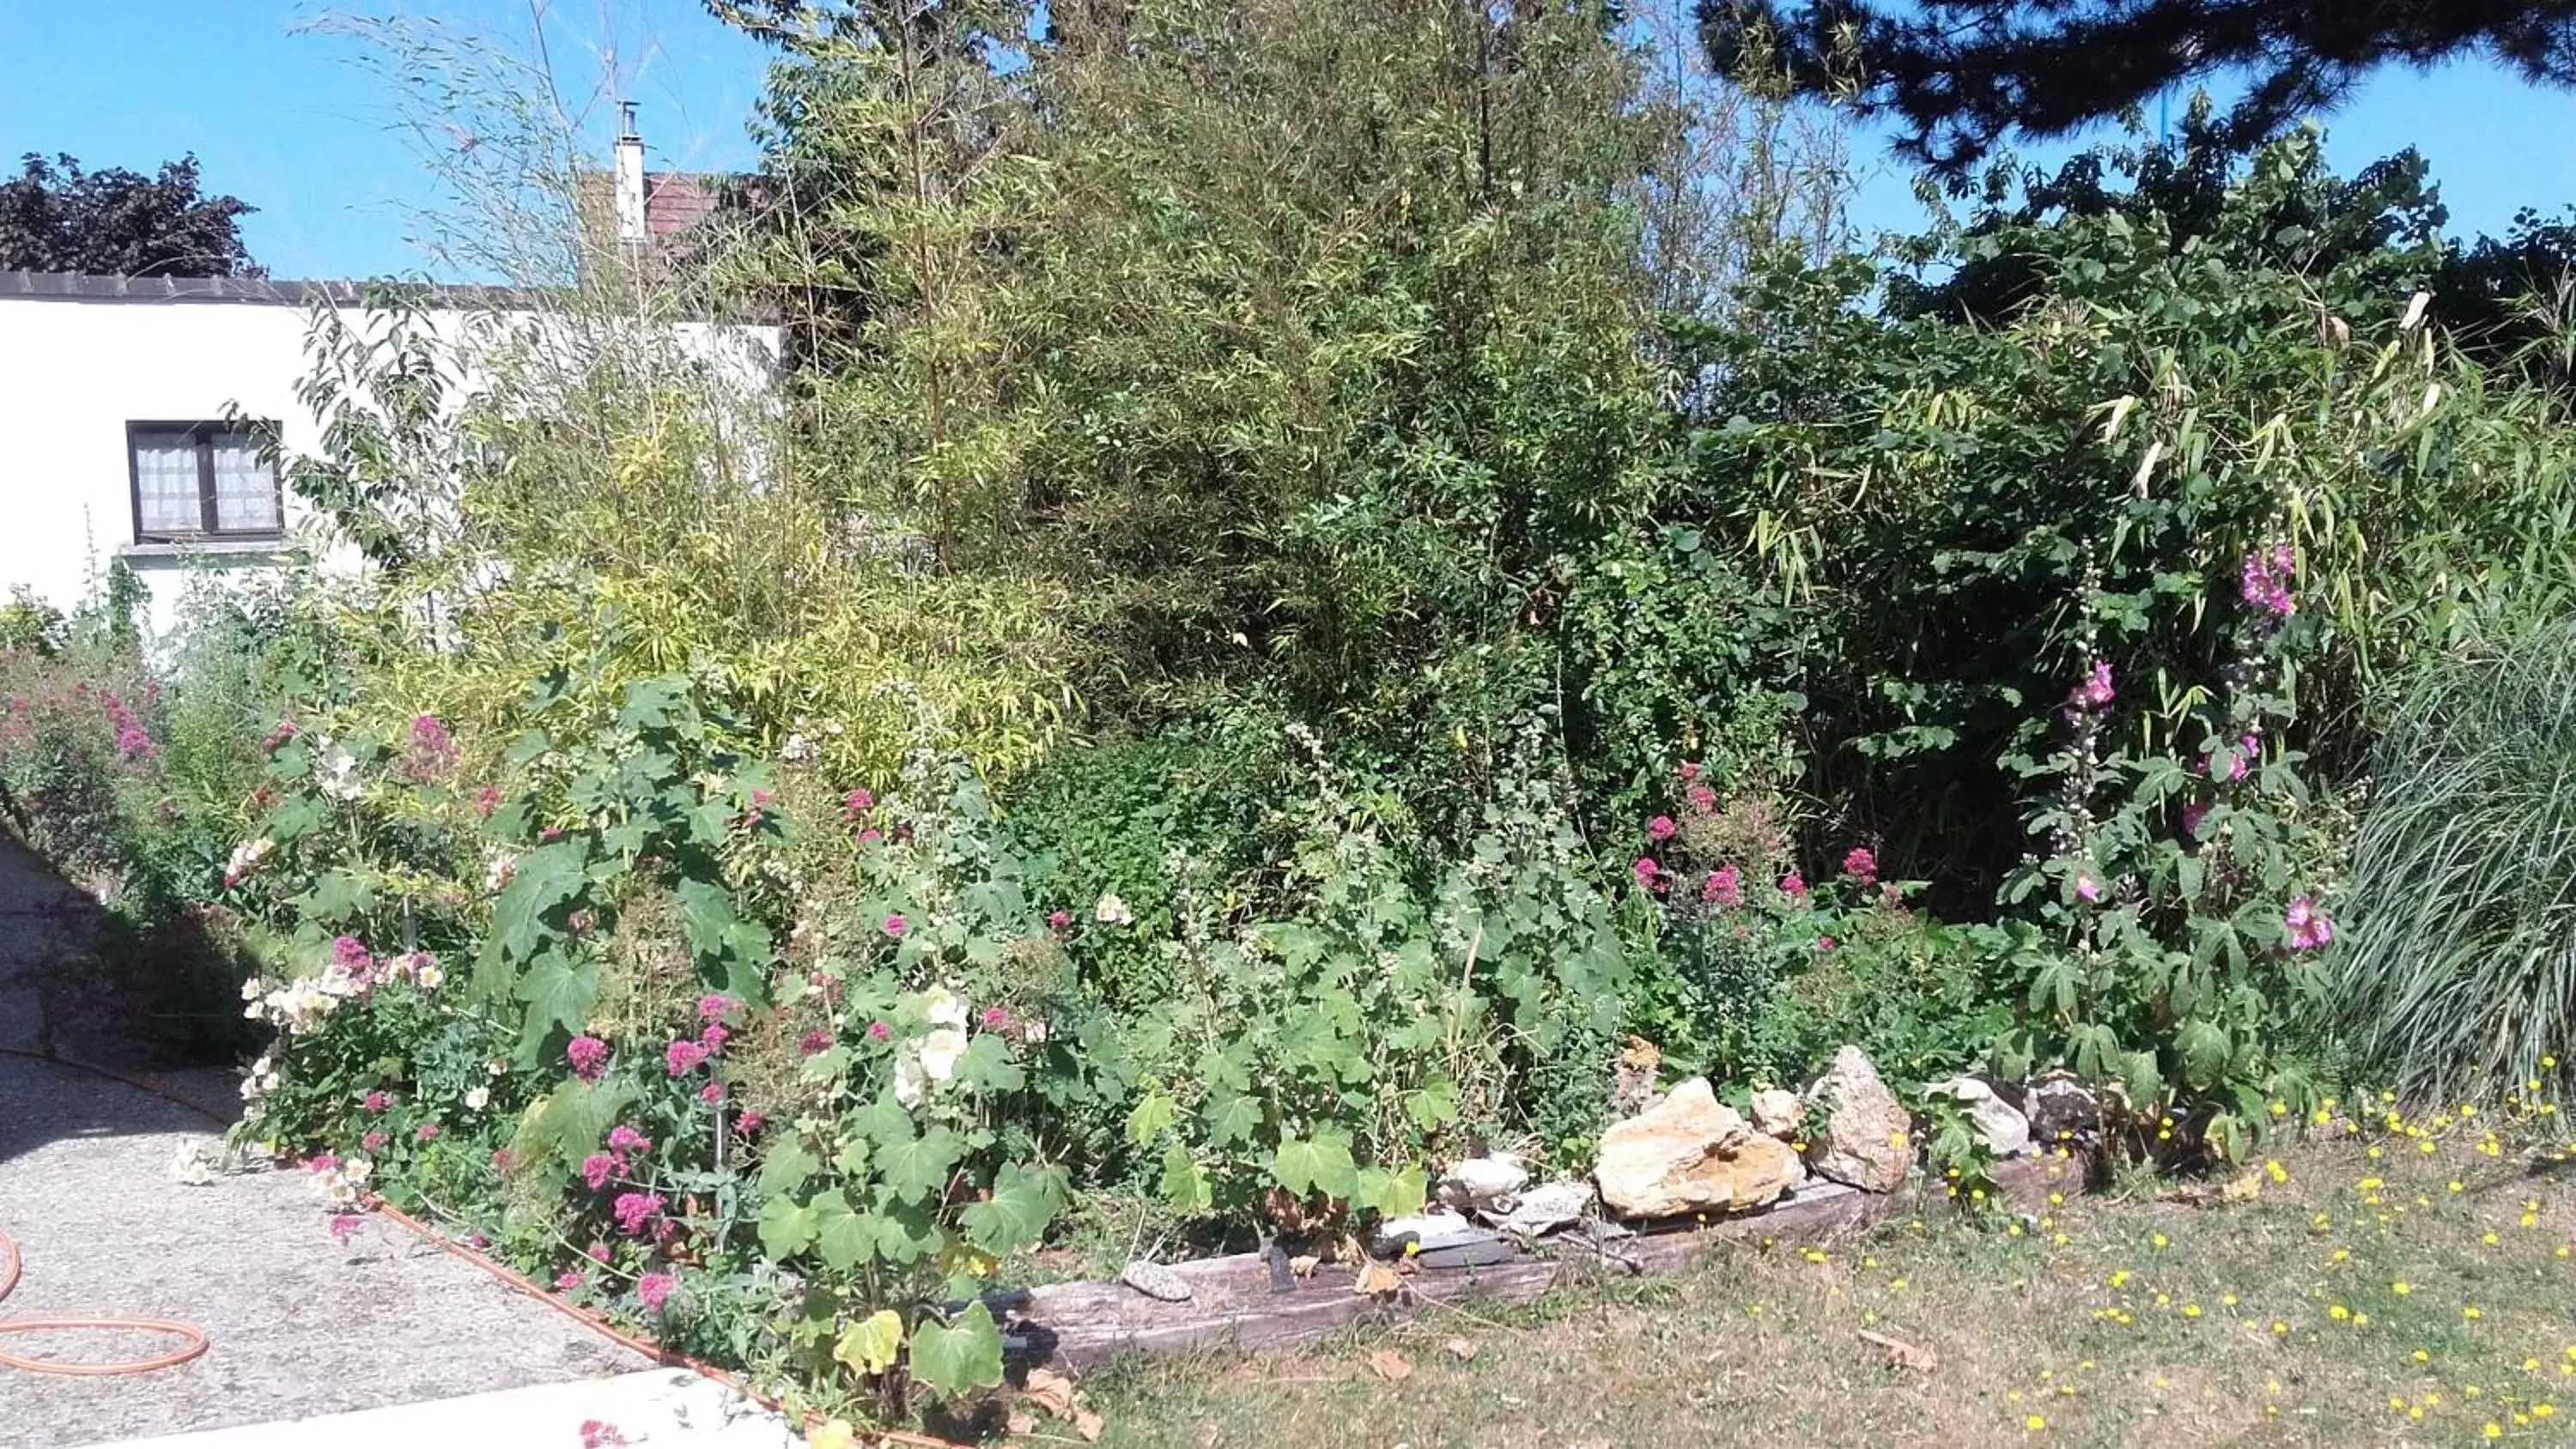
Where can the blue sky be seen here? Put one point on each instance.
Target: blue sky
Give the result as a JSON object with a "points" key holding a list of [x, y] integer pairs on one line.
{"points": [[288, 122]]}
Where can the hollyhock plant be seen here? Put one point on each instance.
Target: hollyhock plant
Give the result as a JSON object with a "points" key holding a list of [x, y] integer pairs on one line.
{"points": [[2266, 578]]}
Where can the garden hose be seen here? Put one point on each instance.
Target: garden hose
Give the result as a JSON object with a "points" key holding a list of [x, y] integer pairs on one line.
{"points": [[12, 1262]]}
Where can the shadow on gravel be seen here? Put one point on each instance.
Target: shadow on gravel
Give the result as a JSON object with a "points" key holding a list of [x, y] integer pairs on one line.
{"points": [[43, 1102]]}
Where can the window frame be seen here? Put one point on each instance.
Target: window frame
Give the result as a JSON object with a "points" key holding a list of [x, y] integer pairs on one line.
{"points": [[203, 432]]}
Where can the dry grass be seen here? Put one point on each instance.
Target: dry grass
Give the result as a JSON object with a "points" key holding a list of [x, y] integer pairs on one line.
{"points": [[2113, 1320]]}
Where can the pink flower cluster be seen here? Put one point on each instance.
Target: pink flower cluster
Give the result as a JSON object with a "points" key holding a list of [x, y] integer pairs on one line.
{"points": [[132, 740], [2094, 694], [1861, 864], [683, 1057], [2267, 577], [2307, 925], [285, 731], [856, 805], [588, 1056], [433, 749], [1724, 888], [635, 1211], [814, 1043], [655, 1290]]}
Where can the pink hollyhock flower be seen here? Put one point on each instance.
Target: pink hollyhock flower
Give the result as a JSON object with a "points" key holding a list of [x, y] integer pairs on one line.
{"points": [[2307, 925], [375, 1103], [814, 1043], [1794, 886], [1648, 873], [588, 1055], [2087, 888], [879, 1031], [683, 1057], [623, 1139], [655, 1290], [748, 1123], [635, 1210], [1661, 829], [716, 1006], [344, 1226], [567, 1281], [894, 924], [2266, 577], [712, 1093], [597, 1169], [1861, 865], [374, 1141], [1724, 888], [427, 1132], [996, 1019]]}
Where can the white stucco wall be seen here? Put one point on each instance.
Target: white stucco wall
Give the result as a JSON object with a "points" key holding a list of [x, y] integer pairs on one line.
{"points": [[74, 371]]}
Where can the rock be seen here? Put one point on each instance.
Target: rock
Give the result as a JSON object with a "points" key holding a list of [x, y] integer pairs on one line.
{"points": [[1435, 1228], [1155, 1281], [1858, 1134], [2005, 1131], [1477, 1181], [1541, 1210], [1689, 1154], [1778, 1113], [2061, 1108]]}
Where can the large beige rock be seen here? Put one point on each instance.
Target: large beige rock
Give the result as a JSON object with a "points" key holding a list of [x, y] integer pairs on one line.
{"points": [[1857, 1132], [1690, 1154], [1778, 1114]]}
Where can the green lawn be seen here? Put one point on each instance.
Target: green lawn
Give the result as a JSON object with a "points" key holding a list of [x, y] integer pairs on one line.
{"points": [[2382, 1287]]}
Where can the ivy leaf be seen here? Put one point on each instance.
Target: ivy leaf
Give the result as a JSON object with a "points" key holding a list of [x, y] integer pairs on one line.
{"points": [[967, 1354], [1024, 1201], [869, 1346], [786, 1168]]}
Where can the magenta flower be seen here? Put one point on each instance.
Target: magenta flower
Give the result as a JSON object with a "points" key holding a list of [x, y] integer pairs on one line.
{"points": [[623, 1139], [1059, 921], [374, 1141], [871, 836], [2192, 815], [716, 1006], [683, 1057], [894, 924], [714, 1037], [1661, 829], [597, 1169], [344, 1226], [2087, 889], [567, 1281], [814, 1043], [996, 1019], [879, 1031], [427, 1132], [1861, 865], [323, 1161], [1702, 799], [2094, 693], [2265, 582], [2307, 925], [1824, 943], [1649, 874], [350, 952], [375, 1103], [1689, 771], [655, 1290], [748, 1123], [1724, 888], [856, 804], [598, 1252], [487, 800], [1794, 886], [634, 1211], [588, 1055], [712, 1093]]}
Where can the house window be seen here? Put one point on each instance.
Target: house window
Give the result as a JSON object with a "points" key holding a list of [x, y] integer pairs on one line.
{"points": [[201, 480]]}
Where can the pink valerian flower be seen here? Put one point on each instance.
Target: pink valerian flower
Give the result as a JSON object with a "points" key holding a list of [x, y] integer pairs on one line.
{"points": [[814, 1043], [635, 1211], [1689, 771], [871, 836], [486, 800], [1861, 865], [714, 1038], [2307, 925], [712, 1094], [655, 1290], [597, 1169], [1661, 829], [856, 804], [426, 1132], [894, 925], [504, 1160], [1059, 921], [433, 749], [588, 1056], [1724, 888], [598, 1252], [350, 953], [374, 1104], [879, 1031], [132, 740], [623, 1140], [1794, 886], [1703, 800], [344, 1226], [748, 1123], [567, 1281], [716, 1006], [374, 1141], [1824, 943], [2266, 578], [996, 1019], [2192, 815], [683, 1057], [1649, 874], [2087, 889]]}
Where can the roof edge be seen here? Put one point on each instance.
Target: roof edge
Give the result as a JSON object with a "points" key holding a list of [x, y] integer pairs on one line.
{"points": [[83, 287]]}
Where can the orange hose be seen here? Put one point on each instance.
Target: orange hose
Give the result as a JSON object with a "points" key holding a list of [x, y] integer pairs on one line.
{"points": [[193, 1338]]}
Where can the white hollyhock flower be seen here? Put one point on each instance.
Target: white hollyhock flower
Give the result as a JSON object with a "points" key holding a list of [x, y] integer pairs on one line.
{"points": [[940, 1051], [1113, 911], [911, 1083], [476, 1099]]}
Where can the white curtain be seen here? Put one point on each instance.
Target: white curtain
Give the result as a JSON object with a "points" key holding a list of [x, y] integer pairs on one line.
{"points": [[165, 483], [245, 488]]}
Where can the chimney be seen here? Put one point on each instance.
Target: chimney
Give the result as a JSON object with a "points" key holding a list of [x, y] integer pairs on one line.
{"points": [[630, 177]]}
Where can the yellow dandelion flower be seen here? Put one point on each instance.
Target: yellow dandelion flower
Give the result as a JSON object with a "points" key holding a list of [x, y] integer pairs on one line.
{"points": [[2034, 1423], [2401, 1287], [2471, 1313], [2338, 1313], [2493, 1430]]}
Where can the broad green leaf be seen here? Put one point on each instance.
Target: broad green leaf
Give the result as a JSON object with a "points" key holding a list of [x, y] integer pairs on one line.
{"points": [[916, 1170], [967, 1354], [987, 1065], [1231, 1118], [844, 1238], [1185, 1186], [786, 1227], [1024, 1201], [544, 878], [870, 1345], [337, 896], [786, 1167], [1152, 1114]]}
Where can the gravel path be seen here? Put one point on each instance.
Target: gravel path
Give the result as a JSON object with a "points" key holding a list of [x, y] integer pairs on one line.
{"points": [[300, 1324]]}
